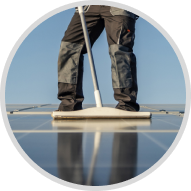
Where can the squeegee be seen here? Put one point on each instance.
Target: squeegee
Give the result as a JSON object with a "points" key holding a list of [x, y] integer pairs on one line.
{"points": [[98, 111]]}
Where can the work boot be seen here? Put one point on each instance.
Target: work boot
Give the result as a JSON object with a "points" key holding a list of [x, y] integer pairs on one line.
{"points": [[128, 106], [126, 98]]}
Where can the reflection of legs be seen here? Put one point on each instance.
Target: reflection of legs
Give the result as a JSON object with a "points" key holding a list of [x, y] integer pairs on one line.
{"points": [[70, 60], [124, 157], [69, 157], [120, 34]]}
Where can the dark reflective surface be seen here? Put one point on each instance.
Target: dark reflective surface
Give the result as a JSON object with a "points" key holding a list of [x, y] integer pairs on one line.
{"points": [[124, 157], [69, 157], [70, 160]]}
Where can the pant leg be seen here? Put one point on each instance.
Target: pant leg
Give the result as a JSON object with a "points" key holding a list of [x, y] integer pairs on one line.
{"points": [[70, 60], [120, 29], [71, 94]]}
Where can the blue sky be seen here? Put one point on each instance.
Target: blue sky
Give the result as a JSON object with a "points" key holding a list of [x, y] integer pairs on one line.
{"points": [[32, 76]]}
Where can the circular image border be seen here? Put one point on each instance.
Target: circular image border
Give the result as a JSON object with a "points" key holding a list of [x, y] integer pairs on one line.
{"points": [[161, 30]]}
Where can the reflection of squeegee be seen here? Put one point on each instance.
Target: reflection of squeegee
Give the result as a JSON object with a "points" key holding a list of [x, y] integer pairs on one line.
{"points": [[101, 124], [97, 139], [99, 111]]}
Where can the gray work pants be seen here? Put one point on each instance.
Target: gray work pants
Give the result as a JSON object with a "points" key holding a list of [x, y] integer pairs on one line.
{"points": [[120, 29]]}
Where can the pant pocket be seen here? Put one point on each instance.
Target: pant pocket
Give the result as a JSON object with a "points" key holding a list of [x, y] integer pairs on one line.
{"points": [[117, 11], [127, 34]]}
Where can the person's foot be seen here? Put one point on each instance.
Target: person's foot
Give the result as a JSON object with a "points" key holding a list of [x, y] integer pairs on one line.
{"points": [[128, 107], [69, 110], [71, 107], [75, 108]]}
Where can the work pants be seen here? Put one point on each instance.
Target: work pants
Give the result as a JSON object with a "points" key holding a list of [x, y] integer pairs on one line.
{"points": [[120, 28]]}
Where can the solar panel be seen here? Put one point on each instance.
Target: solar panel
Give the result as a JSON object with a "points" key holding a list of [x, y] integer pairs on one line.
{"points": [[95, 152]]}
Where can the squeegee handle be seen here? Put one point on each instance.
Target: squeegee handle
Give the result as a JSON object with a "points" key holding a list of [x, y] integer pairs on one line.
{"points": [[90, 56]]}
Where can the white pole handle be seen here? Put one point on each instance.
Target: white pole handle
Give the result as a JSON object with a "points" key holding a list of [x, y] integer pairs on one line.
{"points": [[91, 61]]}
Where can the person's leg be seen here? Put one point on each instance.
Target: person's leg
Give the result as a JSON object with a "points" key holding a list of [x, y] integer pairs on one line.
{"points": [[120, 30], [71, 93], [70, 60]]}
